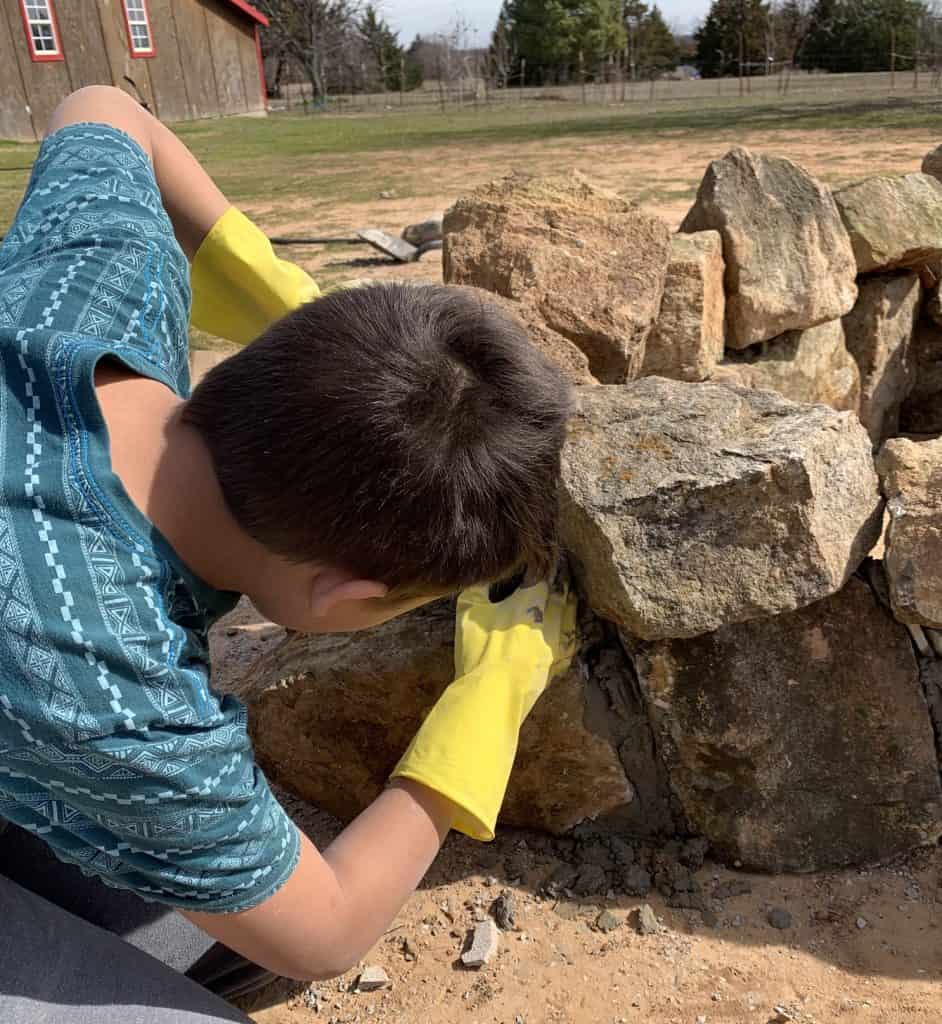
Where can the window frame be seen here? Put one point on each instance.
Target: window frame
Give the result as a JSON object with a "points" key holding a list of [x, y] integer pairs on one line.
{"points": [[42, 56], [137, 53]]}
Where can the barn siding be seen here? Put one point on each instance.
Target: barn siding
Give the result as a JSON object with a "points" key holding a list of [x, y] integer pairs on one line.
{"points": [[82, 43], [123, 65], [166, 68], [205, 61], [248, 55], [45, 82], [224, 44], [15, 120], [193, 36]]}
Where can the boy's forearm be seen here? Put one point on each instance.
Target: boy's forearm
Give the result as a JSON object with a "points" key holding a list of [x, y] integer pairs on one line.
{"points": [[192, 200], [336, 906]]}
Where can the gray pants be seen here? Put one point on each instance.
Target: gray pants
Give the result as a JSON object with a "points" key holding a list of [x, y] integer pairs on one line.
{"points": [[73, 951]]}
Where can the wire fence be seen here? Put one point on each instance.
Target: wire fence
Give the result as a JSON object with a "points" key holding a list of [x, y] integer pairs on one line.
{"points": [[474, 93]]}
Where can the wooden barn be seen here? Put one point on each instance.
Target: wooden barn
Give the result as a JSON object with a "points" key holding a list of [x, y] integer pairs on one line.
{"points": [[184, 59]]}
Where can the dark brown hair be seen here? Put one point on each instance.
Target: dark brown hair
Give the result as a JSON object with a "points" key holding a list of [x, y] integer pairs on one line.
{"points": [[406, 434]]}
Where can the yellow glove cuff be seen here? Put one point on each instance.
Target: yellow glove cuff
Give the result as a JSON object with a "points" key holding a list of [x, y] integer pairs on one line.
{"points": [[240, 287], [466, 747]]}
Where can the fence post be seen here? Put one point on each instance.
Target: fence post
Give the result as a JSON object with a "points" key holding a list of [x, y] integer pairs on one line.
{"points": [[582, 75], [402, 79], [523, 77], [892, 58]]}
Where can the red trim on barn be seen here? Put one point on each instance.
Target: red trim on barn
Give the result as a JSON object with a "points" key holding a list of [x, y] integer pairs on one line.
{"points": [[252, 12], [37, 57], [152, 52], [261, 67]]}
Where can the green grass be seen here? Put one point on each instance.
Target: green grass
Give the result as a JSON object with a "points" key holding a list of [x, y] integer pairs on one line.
{"points": [[326, 158]]}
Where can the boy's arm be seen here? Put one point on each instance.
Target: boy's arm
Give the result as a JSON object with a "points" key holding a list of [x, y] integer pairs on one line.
{"points": [[239, 285], [190, 197]]}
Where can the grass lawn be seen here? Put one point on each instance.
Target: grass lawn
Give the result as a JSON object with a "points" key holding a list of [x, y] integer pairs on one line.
{"points": [[272, 157], [324, 172]]}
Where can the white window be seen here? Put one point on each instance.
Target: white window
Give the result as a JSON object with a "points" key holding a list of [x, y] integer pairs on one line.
{"points": [[139, 35], [41, 30]]}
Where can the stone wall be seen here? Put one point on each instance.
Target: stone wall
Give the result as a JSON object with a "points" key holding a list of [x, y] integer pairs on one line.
{"points": [[757, 546]]}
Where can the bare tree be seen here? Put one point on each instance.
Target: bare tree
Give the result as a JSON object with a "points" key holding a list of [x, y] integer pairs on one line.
{"points": [[317, 35]]}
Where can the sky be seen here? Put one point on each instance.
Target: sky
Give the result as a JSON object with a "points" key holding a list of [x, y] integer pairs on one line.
{"points": [[411, 17]]}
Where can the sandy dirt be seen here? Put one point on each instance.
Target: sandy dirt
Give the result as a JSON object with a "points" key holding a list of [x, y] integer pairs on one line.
{"points": [[662, 175], [861, 946]]}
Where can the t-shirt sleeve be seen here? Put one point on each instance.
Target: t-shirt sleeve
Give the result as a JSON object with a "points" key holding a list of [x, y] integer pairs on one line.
{"points": [[179, 814], [92, 251]]}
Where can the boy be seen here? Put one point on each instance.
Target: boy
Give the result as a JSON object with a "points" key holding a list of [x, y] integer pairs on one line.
{"points": [[372, 450]]}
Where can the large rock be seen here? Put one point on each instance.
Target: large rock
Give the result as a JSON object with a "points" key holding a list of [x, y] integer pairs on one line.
{"points": [[932, 163], [688, 506], [921, 412], [789, 264], [804, 366], [911, 477], [686, 341], [592, 264], [879, 332], [799, 742], [331, 715], [893, 220]]}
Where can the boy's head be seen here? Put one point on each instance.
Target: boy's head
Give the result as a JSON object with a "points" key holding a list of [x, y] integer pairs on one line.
{"points": [[386, 444]]}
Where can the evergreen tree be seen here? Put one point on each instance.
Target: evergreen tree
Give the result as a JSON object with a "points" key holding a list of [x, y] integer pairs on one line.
{"points": [[390, 61], [502, 54], [729, 24], [659, 47], [856, 35]]}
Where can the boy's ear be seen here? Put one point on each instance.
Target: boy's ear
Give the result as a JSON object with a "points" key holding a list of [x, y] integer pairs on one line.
{"points": [[331, 586]]}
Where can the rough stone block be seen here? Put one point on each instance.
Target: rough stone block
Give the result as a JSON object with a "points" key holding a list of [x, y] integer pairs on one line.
{"points": [[879, 333], [911, 477], [804, 366], [799, 742], [789, 263], [686, 341], [893, 220], [689, 506], [591, 264], [332, 714]]}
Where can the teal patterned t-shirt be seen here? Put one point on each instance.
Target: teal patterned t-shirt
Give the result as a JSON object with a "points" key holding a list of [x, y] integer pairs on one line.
{"points": [[113, 747]]}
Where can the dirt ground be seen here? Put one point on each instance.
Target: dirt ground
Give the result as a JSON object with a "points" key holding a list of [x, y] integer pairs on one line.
{"points": [[861, 945], [662, 175]]}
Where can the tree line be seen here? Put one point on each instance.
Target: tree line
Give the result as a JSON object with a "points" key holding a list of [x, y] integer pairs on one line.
{"points": [[750, 37], [540, 41], [344, 46]]}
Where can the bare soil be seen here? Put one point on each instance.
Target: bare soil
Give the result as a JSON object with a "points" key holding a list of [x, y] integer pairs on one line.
{"points": [[662, 175], [862, 945]]}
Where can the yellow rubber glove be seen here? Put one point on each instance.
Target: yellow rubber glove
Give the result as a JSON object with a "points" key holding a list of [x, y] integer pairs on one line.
{"points": [[505, 654], [239, 285]]}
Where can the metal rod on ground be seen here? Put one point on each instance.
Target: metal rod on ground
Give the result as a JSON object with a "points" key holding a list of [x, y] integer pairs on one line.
{"points": [[315, 241]]}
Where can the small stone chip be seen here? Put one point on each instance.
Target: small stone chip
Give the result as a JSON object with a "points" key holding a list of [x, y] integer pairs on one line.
{"points": [[484, 942], [607, 922], [371, 979], [861, 923], [502, 910], [780, 918], [646, 920]]}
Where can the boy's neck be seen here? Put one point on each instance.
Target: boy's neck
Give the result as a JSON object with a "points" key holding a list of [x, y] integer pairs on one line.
{"points": [[167, 471]]}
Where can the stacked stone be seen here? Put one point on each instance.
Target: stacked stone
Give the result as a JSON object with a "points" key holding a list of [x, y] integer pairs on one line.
{"points": [[750, 671]]}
